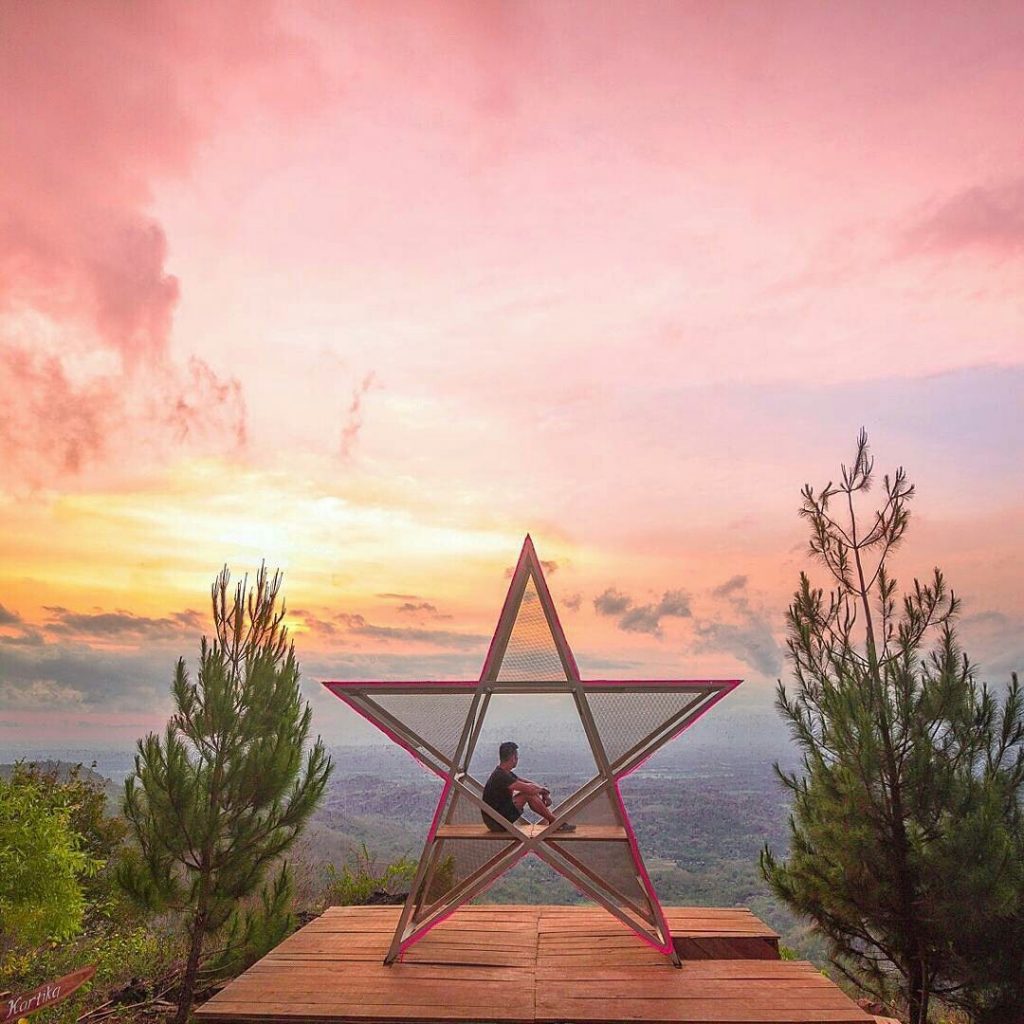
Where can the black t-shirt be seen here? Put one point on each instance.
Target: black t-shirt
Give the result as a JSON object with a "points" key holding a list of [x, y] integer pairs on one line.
{"points": [[498, 794]]}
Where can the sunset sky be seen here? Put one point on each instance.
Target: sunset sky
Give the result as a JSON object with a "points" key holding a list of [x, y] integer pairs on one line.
{"points": [[370, 291]]}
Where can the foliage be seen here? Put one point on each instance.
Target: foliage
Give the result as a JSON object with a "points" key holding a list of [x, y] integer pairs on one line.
{"points": [[41, 863], [124, 958], [70, 802], [986, 950], [224, 793], [903, 814], [361, 879], [101, 834], [252, 932]]}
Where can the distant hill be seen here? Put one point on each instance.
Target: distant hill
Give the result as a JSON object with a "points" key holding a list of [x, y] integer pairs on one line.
{"points": [[62, 769]]}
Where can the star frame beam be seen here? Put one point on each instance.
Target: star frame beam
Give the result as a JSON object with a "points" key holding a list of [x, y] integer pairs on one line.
{"points": [[440, 722]]}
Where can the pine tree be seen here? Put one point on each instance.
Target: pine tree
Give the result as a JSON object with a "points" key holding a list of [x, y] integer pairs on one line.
{"points": [[902, 820], [224, 793]]}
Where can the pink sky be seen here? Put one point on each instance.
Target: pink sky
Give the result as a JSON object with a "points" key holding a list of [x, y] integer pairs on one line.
{"points": [[369, 291]]}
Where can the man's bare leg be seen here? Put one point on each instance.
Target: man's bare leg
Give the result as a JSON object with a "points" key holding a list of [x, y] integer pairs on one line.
{"points": [[535, 802]]}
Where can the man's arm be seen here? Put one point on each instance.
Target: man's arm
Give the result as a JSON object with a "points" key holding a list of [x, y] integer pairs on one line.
{"points": [[526, 786], [530, 781]]}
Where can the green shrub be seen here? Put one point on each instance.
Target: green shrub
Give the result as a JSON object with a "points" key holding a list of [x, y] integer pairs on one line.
{"points": [[357, 881], [41, 863], [101, 833]]}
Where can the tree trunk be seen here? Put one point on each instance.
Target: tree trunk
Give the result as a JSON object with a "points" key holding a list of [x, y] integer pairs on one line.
{"points": [[186, 991], [918, 990]]}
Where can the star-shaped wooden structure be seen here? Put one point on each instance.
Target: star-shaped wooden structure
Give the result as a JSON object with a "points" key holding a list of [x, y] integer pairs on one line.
{"points": [[439, 723]]}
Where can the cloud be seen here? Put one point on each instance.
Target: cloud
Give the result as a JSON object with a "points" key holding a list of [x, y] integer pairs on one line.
{"points": [[734, 584], [57, 674], [102, 104], [209, 410], [414, 607], [989, 217], [350, 620], [674, 602], [573, 602], [73, 667], [55, 427], [62, 677], [354, 419], [995, 643], [748, 637], [8, 618], [399, 597], [409, 634], [28, 636], [612, 602], [549, 566], [353, 624], [647, 618], [124, 626], [642, 618], [38, 694], [356, 665], [316, 624], [751, 642]]}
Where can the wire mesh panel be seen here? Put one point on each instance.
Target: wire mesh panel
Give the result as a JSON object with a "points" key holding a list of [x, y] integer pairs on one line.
{"points": [[624, 719], [601, 810], [463, 811], [437, 718], [458, 860], [613, 864], [531, 654]]}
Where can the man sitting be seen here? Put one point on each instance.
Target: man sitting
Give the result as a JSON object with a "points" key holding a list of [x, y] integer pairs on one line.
{"points": [[508, 794]]}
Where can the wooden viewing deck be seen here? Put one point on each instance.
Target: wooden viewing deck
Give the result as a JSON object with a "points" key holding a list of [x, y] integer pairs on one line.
{"points": [[531, 964]]}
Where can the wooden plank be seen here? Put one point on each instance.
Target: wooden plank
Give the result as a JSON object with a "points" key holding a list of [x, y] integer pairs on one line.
{"points": [[709, 1012], [267, 1012], [371, 993], [799, 993], [469, 958], [484, 929], [808, 1007], [584, 833], [734, 947], [698, 934], [454, 958], [690, 924], [702, 970], [418, 972], [496, 938], [286, 1012]]}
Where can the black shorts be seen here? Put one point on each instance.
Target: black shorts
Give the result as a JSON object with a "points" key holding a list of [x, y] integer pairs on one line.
{"points": [[496, 826]]}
